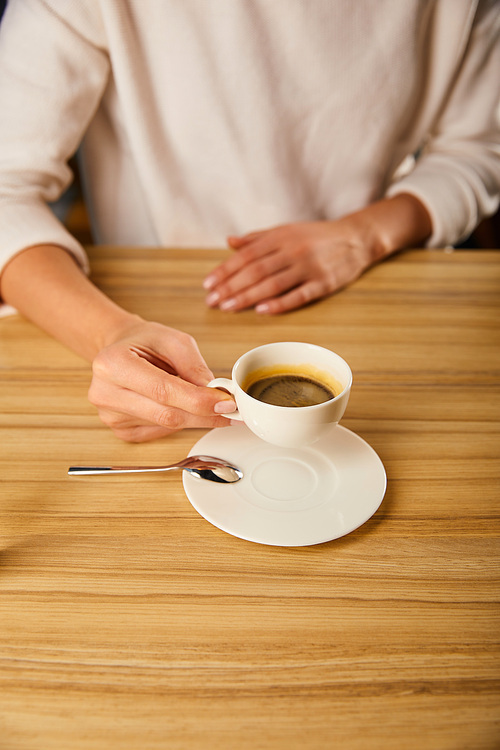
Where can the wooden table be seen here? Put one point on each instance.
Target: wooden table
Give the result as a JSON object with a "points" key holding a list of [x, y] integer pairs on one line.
{"points": [[129, 621]]}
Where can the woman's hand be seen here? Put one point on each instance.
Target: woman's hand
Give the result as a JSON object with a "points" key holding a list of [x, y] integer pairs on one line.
{"points": [[151, 382], [148, 380], [288, 266]]}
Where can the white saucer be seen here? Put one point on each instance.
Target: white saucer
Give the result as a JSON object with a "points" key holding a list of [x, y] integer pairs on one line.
{"points": [[289, 497]]}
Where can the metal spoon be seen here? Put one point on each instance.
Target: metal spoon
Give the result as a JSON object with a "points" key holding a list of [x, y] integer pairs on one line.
{"points": [[206, 467]]}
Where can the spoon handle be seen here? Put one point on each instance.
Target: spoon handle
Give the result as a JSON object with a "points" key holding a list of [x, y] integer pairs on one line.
{"points": [[92, 470]]}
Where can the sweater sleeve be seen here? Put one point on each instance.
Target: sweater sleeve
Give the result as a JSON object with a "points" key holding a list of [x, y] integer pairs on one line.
{"points": [[457, 173], [52, 78]]}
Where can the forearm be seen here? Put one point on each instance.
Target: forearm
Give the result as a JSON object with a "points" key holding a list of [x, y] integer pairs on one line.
{"points": [[45, 284]]}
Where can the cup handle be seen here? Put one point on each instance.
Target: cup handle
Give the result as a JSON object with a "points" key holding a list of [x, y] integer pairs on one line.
{"points": [[227, 385]]}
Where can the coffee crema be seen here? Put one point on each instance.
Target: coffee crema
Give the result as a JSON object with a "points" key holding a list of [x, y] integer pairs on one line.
{"points": [[291, 385]]}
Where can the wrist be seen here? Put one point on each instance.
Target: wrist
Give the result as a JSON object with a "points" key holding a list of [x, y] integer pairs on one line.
{"points": [[116, 324], [393, 224]]}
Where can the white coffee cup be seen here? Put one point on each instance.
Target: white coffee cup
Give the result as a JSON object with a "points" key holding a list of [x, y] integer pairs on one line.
{"points": [[289, 426]]}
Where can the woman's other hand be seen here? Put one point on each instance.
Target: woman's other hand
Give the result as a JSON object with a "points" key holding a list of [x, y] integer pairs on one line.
{"points": [[285, 267]]}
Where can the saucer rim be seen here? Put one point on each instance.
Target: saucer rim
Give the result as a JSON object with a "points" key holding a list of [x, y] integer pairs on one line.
{"points": [[204, 504]]}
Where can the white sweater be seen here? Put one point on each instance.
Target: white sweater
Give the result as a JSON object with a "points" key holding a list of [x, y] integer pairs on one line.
{"points": [[203, 118]]}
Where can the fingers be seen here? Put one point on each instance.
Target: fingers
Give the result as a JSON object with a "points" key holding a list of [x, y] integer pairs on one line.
{"points": [[122, 368], [135, 417], [289, 266], [157, 346], [265, 295], [237, 241], [153, 383], [266, 265], [261, 280], [135, 430], [298, 297], [249, 253]]}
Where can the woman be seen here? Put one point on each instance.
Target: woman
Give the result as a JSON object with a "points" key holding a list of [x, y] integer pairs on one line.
{"points": [[319, 137]]}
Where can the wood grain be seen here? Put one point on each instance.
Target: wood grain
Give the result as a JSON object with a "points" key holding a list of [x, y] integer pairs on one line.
{"points": [[128, 621]]}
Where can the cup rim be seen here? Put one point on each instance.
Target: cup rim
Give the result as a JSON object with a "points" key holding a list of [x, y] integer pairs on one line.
{"points": [[288, 343]]}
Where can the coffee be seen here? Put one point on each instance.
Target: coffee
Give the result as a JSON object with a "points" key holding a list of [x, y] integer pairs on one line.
{"points": [[291, 385]]}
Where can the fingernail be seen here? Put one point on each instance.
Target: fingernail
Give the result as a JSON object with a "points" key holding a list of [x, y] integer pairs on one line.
{"points": [[213, 298], [209, 282], [262, 308], [228, 304], [225, 407]]}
